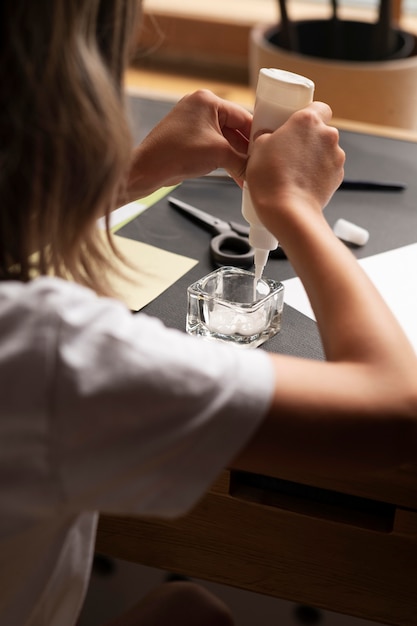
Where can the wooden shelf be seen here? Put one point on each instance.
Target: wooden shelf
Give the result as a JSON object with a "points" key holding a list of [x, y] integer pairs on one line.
{"points": [[186, 46], [172, 85], [214, 36]]}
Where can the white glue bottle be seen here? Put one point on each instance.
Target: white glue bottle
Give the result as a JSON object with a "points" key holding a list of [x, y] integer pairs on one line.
{"points": [[278, 94]]}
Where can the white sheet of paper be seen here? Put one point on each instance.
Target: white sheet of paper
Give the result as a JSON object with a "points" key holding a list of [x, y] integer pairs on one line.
{"points": [[127, 212], [123, 214], [394, 275]]}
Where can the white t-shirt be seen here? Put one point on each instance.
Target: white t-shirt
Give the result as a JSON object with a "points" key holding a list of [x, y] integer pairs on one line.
{"points": [[103, 410]]}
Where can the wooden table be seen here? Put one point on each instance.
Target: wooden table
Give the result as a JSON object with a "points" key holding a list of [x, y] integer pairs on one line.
{"points": [[346, 545], [356, 558]]}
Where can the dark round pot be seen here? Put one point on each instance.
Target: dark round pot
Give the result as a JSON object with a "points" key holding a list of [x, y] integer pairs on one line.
{"points": [[344, 40]]}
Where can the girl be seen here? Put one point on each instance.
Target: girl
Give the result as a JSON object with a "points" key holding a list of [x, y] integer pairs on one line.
{"points": [[95, 415]]}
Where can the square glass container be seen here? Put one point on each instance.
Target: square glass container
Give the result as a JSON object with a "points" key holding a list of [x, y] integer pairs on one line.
{"points": [[230, 305]]}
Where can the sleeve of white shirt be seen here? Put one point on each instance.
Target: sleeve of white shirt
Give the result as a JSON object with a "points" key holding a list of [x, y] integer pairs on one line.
{"points": [[143, 418]]}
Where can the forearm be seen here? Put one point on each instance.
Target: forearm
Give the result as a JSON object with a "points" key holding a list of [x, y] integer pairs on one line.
{"points": [[323, 420], [358, 410], [144, 177], [354, 322]]}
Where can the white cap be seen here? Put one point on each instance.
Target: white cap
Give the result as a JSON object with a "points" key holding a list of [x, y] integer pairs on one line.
{"points": [[260, 259], [351, 232], [296, 91]]}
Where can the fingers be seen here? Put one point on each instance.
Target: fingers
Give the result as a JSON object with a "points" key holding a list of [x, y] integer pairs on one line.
{"points": [[301, 158], [232, 161], [312, 118], [322, 110], [317, 113], [233, 116], [235, 125], [223, 114], [236, 140], [225, 133]]}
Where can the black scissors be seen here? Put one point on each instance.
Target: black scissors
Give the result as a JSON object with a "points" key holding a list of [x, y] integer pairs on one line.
{"points": [[230, 244]]}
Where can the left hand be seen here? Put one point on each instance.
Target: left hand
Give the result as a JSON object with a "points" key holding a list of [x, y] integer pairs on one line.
{"points": [[201, 133]]}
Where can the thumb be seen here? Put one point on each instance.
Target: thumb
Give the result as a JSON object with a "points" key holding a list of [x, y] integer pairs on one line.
{"points": [[233, 162]]}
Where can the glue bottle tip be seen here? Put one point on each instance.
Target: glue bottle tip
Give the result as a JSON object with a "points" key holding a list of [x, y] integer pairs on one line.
{"points": [[261, 257]]}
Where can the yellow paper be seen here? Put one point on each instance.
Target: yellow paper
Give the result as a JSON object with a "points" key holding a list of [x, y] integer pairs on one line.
{"points": [[154, 270]]}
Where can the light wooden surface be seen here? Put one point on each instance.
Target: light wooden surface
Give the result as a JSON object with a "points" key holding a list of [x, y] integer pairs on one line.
{"points": [[251, 12], [213, 39], [216, 33], [172, 85], [296, 551], [168, 84]]}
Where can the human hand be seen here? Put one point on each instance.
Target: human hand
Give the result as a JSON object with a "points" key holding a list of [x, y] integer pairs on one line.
{"points": [[201, 133], [300, 162]]}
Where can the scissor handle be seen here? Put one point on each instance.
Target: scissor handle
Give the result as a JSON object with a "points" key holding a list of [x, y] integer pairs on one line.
{"points": [[231, 249]]}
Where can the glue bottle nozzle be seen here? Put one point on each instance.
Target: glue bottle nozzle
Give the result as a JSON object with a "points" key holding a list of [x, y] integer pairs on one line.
{"points": [[261, 257]]}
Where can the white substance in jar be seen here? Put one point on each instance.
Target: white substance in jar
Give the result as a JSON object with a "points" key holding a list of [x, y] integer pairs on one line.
{"points": [[229, 322]]}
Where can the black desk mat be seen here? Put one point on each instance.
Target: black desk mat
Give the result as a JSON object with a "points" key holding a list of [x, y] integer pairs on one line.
{"points": [[391, 219]]}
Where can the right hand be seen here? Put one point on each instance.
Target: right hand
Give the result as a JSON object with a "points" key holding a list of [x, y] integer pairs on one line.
{"points": [[299, 162]]}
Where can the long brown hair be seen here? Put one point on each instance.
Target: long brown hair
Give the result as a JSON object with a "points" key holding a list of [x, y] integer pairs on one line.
{"points": [[64, 140]]}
